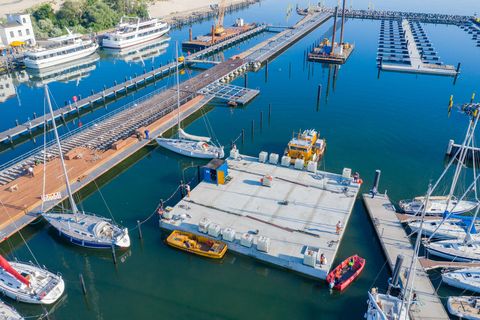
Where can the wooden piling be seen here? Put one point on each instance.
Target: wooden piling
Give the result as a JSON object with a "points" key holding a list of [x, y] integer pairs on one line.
{"points": [[139, 225], [243, 136], [82, 283], [319, 93], [253, 128]]}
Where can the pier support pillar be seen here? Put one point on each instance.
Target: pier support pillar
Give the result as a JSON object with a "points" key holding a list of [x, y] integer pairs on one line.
{"points": [[376, 181], [245, 76]]}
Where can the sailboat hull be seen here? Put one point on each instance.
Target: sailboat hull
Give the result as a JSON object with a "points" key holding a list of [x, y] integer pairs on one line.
{"points": [[88, 231], [190, 148], [455, 250], [465, 279]]}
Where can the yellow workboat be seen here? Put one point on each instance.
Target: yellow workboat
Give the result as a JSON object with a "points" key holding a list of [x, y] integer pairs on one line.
{"points": [[199, 245], [306, 145]]}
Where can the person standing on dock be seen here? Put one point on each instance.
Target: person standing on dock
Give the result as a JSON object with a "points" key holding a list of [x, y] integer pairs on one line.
{"points": [[339, 227], [30, 172]]}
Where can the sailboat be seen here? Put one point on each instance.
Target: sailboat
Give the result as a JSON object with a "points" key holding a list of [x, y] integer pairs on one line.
{"points": [[464, 307], [9, 313], [80, 228], [465, 279], [448, 229], [449, 204], [466, 250], [28, 283], [187, 144]]}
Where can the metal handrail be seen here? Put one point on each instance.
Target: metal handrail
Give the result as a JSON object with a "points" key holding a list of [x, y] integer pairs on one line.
{"points": [[15, 161]]}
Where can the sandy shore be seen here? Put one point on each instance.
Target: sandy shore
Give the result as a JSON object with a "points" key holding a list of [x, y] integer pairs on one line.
{"points": [[163, 8], [14, 6]]}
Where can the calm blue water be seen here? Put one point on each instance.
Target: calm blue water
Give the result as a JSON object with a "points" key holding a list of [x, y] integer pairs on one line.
{"points": [[394, 122]]}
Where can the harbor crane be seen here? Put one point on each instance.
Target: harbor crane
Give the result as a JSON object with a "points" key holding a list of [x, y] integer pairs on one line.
{"points": [[219, 29]]}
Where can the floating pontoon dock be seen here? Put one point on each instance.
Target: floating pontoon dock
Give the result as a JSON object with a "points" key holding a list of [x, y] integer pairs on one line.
{"points": [[394, 241], [297, 214], [410, 41]]}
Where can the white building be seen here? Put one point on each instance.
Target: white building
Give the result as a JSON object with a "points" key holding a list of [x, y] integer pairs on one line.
{"points": [[17, 28]]}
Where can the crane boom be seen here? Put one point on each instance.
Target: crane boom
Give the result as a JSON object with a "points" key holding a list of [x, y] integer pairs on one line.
{"points": [[219, 29]]}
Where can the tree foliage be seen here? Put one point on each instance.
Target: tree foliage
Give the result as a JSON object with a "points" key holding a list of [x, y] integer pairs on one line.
{"points": [[84, 15]]}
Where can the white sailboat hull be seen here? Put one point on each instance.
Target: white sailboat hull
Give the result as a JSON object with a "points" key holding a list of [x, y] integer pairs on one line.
{"points": [[436, 207], [455, 250], [191, 149], [465, 279], [388, 305], [45, 287], [8, 313], [449, 230]]}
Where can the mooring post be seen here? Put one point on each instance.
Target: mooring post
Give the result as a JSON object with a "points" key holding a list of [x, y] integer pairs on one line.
{"points": [[34, 115], [93, 92], [139, 226], [458, 67], [245, 76], [269, 112], [16, 122], [253, 128], [82, 283], [114, 256], [319, 93], [376, 182], [266, 70]]}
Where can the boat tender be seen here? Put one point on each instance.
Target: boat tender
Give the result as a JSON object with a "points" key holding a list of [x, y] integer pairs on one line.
{"points": [[342, 276], [199, 245]]}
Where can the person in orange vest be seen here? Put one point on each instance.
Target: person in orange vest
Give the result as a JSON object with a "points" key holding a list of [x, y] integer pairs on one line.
{"points": [[339, 227]]}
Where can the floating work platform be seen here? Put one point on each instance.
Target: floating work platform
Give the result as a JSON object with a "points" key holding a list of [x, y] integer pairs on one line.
{"points": [[418, 61], [230, 93], [323, 55], [206, 41], [394, 242], [291, 222]]}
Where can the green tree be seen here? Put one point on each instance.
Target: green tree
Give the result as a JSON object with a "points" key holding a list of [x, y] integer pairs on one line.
{"points": [[43, 12], [99, 16], [70, 14]]}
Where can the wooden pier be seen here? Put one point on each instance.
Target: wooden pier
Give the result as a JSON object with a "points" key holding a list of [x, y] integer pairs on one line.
{"points": [[122, 88], [394, 241]]}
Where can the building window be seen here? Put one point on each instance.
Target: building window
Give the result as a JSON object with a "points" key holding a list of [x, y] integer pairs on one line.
{"points": [[24, 21], [19, 33], [28, 32], [11, 34]]}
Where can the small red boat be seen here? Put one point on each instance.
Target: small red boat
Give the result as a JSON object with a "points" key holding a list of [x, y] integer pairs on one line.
{"points": [[344, 274]]}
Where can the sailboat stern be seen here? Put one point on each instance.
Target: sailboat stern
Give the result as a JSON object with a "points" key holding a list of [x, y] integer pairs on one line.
{"points": [[123, 240]]}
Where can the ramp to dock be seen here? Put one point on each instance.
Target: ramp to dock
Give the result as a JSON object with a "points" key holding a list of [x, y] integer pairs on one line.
{"points": [[394, 241]]}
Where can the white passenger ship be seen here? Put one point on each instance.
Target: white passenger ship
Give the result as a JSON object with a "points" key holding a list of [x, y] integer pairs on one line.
{"points": [[61, 50], [131, 33]]}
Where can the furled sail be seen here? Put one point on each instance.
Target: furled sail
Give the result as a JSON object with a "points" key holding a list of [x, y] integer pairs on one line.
{"points": [[7, 267], [183, 135]]}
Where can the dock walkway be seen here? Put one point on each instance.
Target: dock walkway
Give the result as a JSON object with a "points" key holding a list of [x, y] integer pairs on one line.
{"points": [[124, 87], [394, 242], [297, 214]]}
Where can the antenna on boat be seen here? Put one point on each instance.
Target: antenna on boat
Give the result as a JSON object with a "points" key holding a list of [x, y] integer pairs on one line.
{"points": [[60, 152]]}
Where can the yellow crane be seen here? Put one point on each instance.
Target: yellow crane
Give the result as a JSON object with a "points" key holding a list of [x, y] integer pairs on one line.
{"points": [[219, 29]]}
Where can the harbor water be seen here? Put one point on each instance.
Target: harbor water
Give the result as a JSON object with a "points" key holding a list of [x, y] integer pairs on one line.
{"points": [[390, 121]]}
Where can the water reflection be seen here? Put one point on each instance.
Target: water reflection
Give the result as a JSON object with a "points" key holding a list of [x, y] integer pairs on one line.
{"points": [[138, 53], [8, 83], [72, 71]]}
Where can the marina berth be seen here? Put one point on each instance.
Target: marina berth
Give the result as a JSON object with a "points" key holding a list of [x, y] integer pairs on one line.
{"points": [[441, 230], [60, 50], [133, 31], [28, 283], [437, 205], [385, 307], [456, 250]]}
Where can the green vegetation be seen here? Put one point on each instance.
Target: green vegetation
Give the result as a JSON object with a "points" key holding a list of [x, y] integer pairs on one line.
{"points": [[83, 16]]}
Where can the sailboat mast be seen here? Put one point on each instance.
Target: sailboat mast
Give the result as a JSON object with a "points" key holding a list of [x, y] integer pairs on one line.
{"points": [[462, 155], [60, 152], [413, 265], [178, 84]]}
